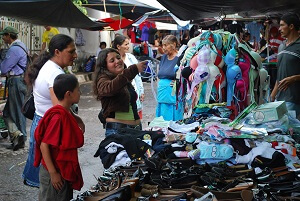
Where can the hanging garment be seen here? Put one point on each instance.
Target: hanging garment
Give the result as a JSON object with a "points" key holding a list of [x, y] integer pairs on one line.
{"points": [[243, 85], [233, 74], [214, 73], [79, 39], [202, 72]]}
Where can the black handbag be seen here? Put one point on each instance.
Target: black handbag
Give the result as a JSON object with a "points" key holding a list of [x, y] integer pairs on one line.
{"points": [[28, 108]]}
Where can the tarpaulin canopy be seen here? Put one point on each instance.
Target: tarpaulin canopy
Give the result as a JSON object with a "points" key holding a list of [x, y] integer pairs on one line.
{"points": [[164, 19], [59, 13], [199, 9], [119, 7]]}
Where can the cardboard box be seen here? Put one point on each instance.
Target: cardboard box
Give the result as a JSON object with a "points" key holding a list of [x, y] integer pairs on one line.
{"points": [[269, 112]]}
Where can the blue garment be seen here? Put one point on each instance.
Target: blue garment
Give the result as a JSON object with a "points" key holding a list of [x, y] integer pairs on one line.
{"points": [[166, 68], [145, 33], [166, 103], [15, 55], [31, 173], [110, 131], [254, 29], [113, 131]]}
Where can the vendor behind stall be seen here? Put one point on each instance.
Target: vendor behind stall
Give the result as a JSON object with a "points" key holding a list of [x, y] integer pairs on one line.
{"points": [[288, 76]]}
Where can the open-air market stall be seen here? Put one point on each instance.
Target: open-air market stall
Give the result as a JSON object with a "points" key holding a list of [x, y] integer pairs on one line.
{"points": [[232, 145]]}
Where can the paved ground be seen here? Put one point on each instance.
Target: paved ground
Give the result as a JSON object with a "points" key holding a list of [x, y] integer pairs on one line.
{"points": [[12, 163]]}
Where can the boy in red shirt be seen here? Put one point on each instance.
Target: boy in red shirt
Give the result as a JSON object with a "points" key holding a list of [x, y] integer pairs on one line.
{"points": [[58, 137]]}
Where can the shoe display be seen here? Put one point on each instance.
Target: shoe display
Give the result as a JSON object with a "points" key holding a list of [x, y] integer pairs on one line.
{"points": [[284, 176], [227, 172]]}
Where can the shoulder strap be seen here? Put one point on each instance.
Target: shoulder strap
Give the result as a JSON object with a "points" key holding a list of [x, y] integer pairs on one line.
{"points": [[22, 67]]}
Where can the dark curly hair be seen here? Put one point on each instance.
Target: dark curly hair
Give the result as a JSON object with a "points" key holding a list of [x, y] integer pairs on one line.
{"points": [[101, 67]]}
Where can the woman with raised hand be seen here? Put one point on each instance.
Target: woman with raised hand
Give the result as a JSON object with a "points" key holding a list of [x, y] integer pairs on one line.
{"points": [[112, 86], [121, 43]]}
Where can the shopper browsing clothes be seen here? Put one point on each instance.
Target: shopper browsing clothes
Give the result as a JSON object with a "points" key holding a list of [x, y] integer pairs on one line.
{"points": [[112, 86], [168, 107], [58, 137], [121, 43], [13, 66], [288, 76], [41, 75]]}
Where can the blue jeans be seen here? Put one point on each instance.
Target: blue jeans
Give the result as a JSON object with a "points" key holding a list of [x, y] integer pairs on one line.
{"points": [[113, 128], [110, 131], [31, 173], [295, 107]]}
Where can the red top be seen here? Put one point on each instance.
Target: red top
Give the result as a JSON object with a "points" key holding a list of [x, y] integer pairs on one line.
{"points": [[276, 42], [60, 130]]}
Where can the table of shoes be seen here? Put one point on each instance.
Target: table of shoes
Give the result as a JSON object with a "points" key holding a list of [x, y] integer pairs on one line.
{"points": [[201, 158]]}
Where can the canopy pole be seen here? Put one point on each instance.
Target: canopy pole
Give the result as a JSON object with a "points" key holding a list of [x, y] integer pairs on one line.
{"points": [[30, 39]]}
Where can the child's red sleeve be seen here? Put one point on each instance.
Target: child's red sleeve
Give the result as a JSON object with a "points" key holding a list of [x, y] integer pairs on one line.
{"points": [[52, 135]]}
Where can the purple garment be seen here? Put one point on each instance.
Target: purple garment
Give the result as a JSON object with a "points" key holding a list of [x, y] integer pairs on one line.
{"points": [[14, 56], [145, 33]]}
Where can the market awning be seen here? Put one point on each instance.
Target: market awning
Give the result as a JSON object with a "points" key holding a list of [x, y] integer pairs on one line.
{"points": [[59, 13], [195, 10], [120, 7], [164, 20]]}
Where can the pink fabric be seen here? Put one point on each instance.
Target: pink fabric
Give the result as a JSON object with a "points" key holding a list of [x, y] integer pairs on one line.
{"points": [[243, 85]]}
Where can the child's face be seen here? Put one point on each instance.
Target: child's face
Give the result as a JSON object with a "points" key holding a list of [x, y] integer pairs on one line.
{"points": [[75, 95]]}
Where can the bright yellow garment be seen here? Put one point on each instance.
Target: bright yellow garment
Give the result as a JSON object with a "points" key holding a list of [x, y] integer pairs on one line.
{"points": [[47, 35]]}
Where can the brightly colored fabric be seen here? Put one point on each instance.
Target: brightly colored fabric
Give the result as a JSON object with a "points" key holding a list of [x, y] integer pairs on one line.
{"points": [[47, 35]]}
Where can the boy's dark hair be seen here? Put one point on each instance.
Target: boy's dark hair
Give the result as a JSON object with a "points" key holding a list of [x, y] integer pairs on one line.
{"points": [[64, 83], [102, 43], [291, 18]]}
